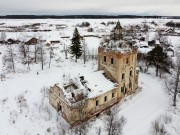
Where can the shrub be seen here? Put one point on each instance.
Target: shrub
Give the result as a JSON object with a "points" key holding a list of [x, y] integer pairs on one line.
{"points": [[84, 24], [90, 29], [48, 130]]}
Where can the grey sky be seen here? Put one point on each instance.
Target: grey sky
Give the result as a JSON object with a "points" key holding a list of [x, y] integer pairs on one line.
{"points": [[70, 7]]}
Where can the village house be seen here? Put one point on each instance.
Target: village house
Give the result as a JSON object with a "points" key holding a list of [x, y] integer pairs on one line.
{"points": [[86, 96], [12, 41], [32, 41]]}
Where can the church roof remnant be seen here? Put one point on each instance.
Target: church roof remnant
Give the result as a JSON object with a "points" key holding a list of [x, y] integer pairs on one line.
{"points": [[118, 26]]}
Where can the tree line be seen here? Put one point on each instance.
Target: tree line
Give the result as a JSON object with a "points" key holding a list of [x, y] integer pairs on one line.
{"points": [[82, 16], [173, 24]]}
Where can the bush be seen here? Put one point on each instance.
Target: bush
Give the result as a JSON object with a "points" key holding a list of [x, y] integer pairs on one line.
{"points": [[173, 24], [110, 23], [84, 24], [166, 118], [154, 23], [103, 23], [158, 128], [90, 29], [48, 130]]}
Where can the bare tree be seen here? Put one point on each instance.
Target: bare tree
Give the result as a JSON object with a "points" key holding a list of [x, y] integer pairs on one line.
{"points": [[28, 59], [114, 124], [85, 50], [158, 128], [81, 128], [35, 53], [91, 54], [65, 50], [3, 77], [146, 28], [159, 125], [164, 68], [51, 53], [173, 83], [3, 36], [40, 49], [42, 55], [98, 131], [25, 51], [9, 58], [36, 48], [22, 50]]}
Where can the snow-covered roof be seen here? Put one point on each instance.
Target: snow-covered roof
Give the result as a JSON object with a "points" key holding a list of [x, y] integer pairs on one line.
{"points": [[98, 84], [120, 46], [143, 43], [170, 48], [157, 42], [54, 38], [90, 85]]}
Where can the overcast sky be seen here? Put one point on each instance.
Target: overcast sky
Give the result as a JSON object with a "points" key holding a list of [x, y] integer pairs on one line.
{"points": [[83, 7]]}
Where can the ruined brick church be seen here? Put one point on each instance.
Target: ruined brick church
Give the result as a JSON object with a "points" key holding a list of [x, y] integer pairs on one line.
{"points": [[82, 98]]}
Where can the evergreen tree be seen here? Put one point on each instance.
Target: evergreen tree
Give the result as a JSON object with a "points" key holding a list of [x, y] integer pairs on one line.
{"points": [[159, 59], [76, 48]]}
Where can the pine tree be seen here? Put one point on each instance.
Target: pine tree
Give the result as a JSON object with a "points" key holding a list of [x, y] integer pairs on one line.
{"points": [[159, 59], [76, 48]]}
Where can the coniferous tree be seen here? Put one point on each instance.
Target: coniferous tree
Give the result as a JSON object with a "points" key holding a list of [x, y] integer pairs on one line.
{"points": [[76, 48], [159, 59]]}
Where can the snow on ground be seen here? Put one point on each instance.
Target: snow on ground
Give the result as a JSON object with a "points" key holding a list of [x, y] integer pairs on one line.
{"points": [[92, 42], [140, 109], [174, 40], [1, 60], [145, 50], [146, 106], [31, 118], [98, 84], [24, 107]]}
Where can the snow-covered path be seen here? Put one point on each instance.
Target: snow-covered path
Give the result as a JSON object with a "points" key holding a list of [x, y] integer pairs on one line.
{"points": [[145, 107], [142, 108]]}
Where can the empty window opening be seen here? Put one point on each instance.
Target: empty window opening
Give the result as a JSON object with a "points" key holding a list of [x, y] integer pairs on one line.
{"points": [[113, 95], [72, 94], [104, 58], [123, 75], [131, 73], [105, 98], [122, 89], [97, 103], [59, 107], [127, 60], [112, 61]]}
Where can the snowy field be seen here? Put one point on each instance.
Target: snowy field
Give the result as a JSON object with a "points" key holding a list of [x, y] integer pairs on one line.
{"points": [[24, 107]]}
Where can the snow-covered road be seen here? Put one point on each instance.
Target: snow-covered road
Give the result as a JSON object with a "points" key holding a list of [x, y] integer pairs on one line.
{"points": [[142, 109]]}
